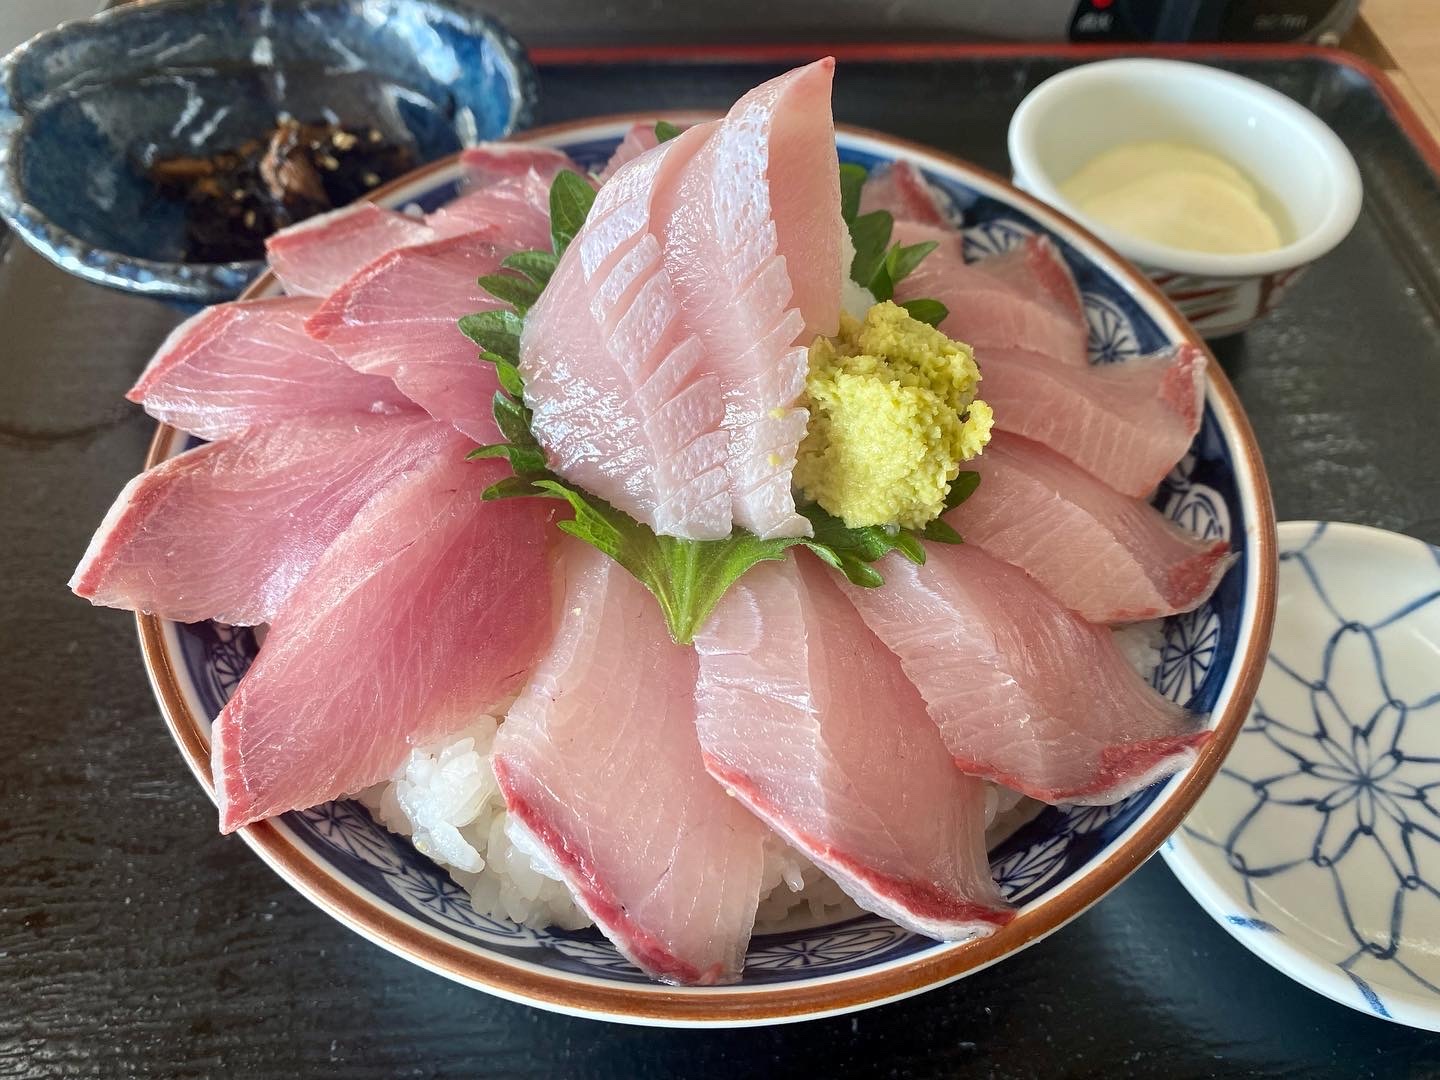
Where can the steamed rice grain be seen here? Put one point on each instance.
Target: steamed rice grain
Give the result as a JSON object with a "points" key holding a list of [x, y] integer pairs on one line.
{"points": [[447, 802]]}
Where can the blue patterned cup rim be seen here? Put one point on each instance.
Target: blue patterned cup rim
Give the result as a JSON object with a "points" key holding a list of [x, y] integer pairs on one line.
{"points": [[1054, 868], [1289, 849]]}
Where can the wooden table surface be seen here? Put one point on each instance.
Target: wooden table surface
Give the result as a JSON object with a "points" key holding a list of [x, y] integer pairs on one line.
{"points": [[1402, 38]]}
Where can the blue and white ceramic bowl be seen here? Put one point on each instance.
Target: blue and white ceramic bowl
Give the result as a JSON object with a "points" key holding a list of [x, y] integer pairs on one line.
{"points": [[1318, 845], [1054, 867], [82, 104]]}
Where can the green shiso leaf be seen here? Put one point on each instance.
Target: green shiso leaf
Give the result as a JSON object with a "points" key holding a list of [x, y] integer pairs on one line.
{"points": [[930, 312], [686, 577], [571, 197], [513, 487], [513, 419], [940, 533], [516, 291], [961, 488], [901, 261], [496, 332], [665, 131], [877, 266], [538, 266], [870, 233], [852, 179], [509, 374], [523, 459]]}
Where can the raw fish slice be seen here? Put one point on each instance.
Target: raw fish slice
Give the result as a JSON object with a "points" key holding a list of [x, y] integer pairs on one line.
{"points": [[903, 190], [1024, 692], [1024, 299], [315, 257], [426, 611], [810, 722], [1036, 266], [228, 530], [1125, 423], [640, 138], [600, 769], [510, 193], [704, 267], [250, 362], [397, 318], [753, 240], [489, 163], [1105, 556], [620, 402], [517, 210]]}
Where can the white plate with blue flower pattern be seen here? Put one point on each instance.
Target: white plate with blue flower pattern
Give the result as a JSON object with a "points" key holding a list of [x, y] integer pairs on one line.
{"points": [[1318, 845], [1053, 868]]}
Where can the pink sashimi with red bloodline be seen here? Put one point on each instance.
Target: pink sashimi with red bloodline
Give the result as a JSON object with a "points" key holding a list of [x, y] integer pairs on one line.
{"points": [[1108, 557], [250, 362], [1025, 693], [427, 611], [902, 191], [1126, 424], [228, 530], [639, 138], [506, 187], [601, 770], [491, 163], [396, 318], [1022, 299], [314, 257], [810, 722], [509, 191]]}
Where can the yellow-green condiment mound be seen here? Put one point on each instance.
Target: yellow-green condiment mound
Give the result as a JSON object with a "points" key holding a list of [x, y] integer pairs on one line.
{"points": [[893, 416]]}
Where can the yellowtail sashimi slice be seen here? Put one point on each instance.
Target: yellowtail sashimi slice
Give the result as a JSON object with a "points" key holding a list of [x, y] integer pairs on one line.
{"points": [[1106, 556], [601, 771], [397, 318], [665, 360], [509, 191], [1126, 424], [754, 242], [638, 139], [249, 362], [810, 721], [315, 257], [902, 191], [621, 402], [1024, 692], [1023, 299], [227, 531], [425, 612]]}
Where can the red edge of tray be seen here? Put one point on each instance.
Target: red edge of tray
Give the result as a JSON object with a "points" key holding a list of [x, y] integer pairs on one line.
{"points": [[1415, 128]]}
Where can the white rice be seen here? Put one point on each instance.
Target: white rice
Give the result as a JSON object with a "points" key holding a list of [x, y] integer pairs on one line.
{"points": [[447, 803], [1140, 643]]}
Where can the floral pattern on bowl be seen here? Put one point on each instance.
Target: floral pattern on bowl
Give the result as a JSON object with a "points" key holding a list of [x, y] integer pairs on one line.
{"points": [[1318, 846], [1052, 865]]}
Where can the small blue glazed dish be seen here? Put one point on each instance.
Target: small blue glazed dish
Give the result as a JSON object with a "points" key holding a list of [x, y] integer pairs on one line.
{"points": [[81, 106]]}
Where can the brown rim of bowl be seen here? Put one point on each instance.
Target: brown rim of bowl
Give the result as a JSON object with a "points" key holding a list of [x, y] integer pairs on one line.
{"points": [[784, 1001]]}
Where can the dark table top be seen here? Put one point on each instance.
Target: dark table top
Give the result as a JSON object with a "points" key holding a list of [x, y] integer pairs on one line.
{"points": [[135, 941]]}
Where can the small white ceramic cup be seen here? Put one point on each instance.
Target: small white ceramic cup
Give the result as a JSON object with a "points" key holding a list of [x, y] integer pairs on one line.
{"points": [[1286, 149]]}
